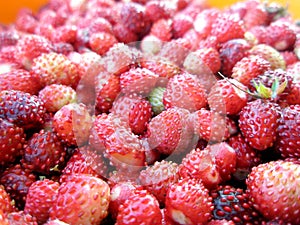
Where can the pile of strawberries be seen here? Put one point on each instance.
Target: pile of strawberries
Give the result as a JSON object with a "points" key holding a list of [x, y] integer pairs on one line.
{"points": [[159, 112]]}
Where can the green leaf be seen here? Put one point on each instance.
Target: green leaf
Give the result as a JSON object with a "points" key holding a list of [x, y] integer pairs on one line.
{"points": [[263, 91]]}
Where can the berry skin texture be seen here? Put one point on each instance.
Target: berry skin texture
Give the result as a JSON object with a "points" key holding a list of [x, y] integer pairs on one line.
{"points": [[6, 205], [288, 132], [23, 109], [258, 123], [274, 189], [81, 199], [12, 140], [101, 42], [188, 202], [140, 208], [41, 195], [55, 96]]}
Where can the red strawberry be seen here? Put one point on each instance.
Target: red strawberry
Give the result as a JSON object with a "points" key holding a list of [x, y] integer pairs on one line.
{"points": [[274, 190], [124, 35], [185, 91], [26, 21], [210, 126], [207, 57], [231, 52], [233, 204], [200, 164], [55, 96], [181, 23], [16, 182], [246, 156], [107, 87], [30, 47], [3, 218], [249, 67], [188, 202], [256, 15], [134, 110], [6, 204], [65, 33], [124, 150], [134, 18], [293, 97], [9, 37], [41, 195], [270, 54], [12, 140], [20, 80], [158, 178], [170, 131], [54, 68], [138, 80], [162, 29], [55, 222], [258, 123], [140, 208], [82, 199], [23, 109], [100, 25], [287, 133], [72, 124], [225, 97], [290, 57], [20, 218], [156, 10], [101, 42], [85, 160], [221, 222], [227, 27], [118, 195], [44, 152]]}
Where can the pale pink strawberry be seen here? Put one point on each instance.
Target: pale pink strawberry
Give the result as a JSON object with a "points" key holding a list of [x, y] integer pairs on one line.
{"points": [[162, 29]]}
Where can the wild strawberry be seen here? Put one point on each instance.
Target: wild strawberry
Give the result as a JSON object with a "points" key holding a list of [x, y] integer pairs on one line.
{"points": [[158, 178], [20, 80], [227, 27], [40, 197], [65, 33], [23, 109], [124, 150], [16, 181], [54, 68], [281, 36], [270, 54], [289, 57], [3, 218], [246, 156], [170, 132], [188, 202], [193, 39], [249, 67], [9, 37], [6, 204], [151, 45], [204, 20], [156, 10], [273, 188], [72, 124], [26, 21], [207, 172], [256, 15], [20, 217], [225, 97], [258, 123], [231, 52], [185, 91], [85, 160], [55, 222], [181, 23], [91, 204], [30, 47], [287, 138], [12, 140], [107, 87], [140, 208], [162, 29], [101, 42], [55, 96], [43, 152], [134, 18], [293, 97], [163, 68], [118, 195], [138, 80], [233, 204], [221, 222], [210, 126], [124, 35], [156, 100], [134, 110], [100, 25]]}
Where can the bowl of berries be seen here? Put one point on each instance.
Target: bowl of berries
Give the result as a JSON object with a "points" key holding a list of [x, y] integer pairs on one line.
{"points": [[149, 112]]}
